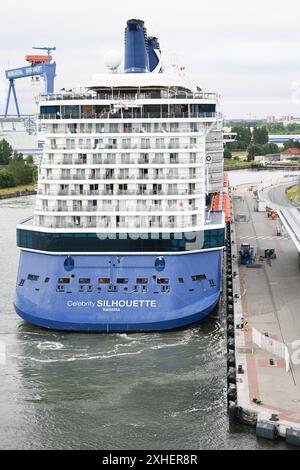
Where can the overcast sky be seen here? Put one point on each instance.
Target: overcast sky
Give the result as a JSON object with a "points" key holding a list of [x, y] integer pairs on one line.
{"points": [[249, 51]]}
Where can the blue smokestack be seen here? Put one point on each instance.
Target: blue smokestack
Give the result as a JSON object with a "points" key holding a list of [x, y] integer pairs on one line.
{"points": [[154, 54], [136, 47]]}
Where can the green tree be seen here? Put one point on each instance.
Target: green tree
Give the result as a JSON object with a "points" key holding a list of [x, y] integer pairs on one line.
{"points": [[253, 151], [292, 128], [17, 156], [269, 148], [5, 152], [21, 172], [276, 128], [291, 144], [227, 153], [260, 135], [243, 134], [7, 180], [29, 160], [34, 174]]}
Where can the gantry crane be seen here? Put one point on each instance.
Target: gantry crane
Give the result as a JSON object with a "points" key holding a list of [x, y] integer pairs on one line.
{"points": [[40, 65]]}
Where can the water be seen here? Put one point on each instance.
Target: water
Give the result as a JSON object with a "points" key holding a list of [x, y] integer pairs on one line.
{"points": [[118, 391], [263, 176]]}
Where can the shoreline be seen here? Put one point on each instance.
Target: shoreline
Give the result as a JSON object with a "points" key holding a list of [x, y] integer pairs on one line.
{"points": [[28, 192], [260, 167]]}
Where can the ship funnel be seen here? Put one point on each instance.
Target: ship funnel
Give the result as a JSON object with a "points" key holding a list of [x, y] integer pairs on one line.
{"points": [[136, 47], [154, 54]]}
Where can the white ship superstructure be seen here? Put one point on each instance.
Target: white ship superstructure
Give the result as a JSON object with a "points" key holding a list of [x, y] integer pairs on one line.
{"points": [[129, 154]]}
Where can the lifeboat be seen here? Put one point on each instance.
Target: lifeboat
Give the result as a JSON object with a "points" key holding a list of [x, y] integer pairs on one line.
{"points": [[221, 201], [38, 59]]}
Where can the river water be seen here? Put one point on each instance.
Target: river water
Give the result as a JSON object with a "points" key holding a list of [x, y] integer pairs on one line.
{"points": [[117, 391]]}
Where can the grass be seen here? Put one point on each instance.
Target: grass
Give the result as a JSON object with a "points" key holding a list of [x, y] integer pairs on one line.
{"points": [[241, 153], [22, 187], [230, 163], [293, 193]]}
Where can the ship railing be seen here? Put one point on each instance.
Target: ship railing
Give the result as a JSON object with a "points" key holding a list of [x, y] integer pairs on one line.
{"points": [[125, 177], [122, 131], [121, 161], [117, 209], [121, 147], [178, 193], [130, 115], [119, 96], [126, 225]]}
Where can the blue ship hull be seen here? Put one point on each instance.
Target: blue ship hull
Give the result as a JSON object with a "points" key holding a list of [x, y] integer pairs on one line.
{"points": [[54, 293]]}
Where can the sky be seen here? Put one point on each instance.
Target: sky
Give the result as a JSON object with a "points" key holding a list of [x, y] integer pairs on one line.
{"points": [[249, 52]]}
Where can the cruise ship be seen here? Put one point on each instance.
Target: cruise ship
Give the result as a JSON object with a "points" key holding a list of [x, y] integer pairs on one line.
{"points": [[124, 236]]}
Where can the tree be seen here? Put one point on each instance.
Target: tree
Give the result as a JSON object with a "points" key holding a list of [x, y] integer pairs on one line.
{"points": [[21, 172], [276, 128], [29, 160], [243, 134], [17, 156], [5, 152], [270, 148], [227, 153], [291, 144], [253, 151], [34, 174], [7, 180], [260, 135]]}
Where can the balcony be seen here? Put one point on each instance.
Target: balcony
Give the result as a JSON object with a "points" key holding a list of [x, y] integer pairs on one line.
{"points": [[139, 146], [122, 161], [122, 130], [122, 177], [117, 209], [65, 192]]}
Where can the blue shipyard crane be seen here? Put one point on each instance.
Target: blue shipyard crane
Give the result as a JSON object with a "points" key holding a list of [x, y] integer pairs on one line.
{"points": [[40, 66]]}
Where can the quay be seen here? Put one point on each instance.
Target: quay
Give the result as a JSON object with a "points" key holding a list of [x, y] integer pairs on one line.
{"points": [[264, 334]]}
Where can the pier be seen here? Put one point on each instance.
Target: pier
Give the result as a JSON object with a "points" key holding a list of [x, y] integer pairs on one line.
{"points": [[265, 352]]}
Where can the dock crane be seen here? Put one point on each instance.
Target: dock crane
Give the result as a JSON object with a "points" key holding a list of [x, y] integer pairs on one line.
{"points": [[40, 65]]}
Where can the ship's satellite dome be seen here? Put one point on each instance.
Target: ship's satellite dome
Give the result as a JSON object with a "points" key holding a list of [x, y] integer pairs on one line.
{"points": [[112, 59]]}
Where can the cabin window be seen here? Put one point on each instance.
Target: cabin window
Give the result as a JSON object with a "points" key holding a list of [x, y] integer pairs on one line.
{"points": [[33, 277], [122, 280], [104, 280], [63, 280], [142, 280], [162, 280], [199, 277], [84, 280]]}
